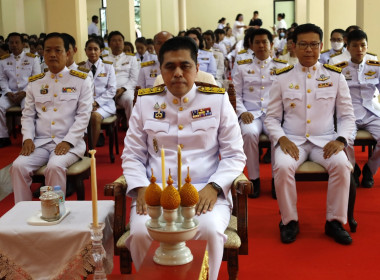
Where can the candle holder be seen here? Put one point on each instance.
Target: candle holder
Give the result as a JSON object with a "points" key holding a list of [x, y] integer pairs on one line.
{"points": [[98, 252], [188, 215], [155, 213]]}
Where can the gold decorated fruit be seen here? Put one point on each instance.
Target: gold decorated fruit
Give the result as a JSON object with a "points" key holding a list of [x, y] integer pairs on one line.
{"points": [[153, 192], [189, 194], [170, 198]]}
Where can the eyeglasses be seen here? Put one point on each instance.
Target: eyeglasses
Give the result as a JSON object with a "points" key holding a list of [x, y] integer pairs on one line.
{"points": [[312, 45]]}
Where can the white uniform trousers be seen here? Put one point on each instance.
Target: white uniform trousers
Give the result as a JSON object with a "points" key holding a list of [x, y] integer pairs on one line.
{"points": [[5, 104], [55, 172], [211, 228], [338, 188], [372, 125], [126, 101], [251, 134]]}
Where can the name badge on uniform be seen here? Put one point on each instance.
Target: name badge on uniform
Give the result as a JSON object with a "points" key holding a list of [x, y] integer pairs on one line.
{"points": [[125, 63], [26, 63], [204, 58], [44, 89], [69, 89], [102, 75], [323, 85], [323, 78], [370, 73], [201, 113], [159, 115], [251, 72]]}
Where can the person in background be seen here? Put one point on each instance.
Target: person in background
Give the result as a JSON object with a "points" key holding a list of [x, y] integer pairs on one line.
{"points": [[4, 49], [150, 46], [281, 23], [279, 41], [181, 33], [238, 28], [290, 56], [209, 39], [33, 47], [93, 28], [221, 23], [303, 103], [219, 37], [142, 53], [337, 46], [129, 48], [256, 22]]}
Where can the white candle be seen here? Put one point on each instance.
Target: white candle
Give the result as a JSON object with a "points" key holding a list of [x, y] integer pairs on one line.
{"points": [[163, 167], [94, 189], [179, 157]]}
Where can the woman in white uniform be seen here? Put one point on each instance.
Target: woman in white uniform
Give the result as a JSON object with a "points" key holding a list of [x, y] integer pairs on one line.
{"points": [[104, 80]]}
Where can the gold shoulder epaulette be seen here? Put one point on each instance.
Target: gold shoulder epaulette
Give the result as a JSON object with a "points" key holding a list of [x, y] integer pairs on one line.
{"points": [[217, 90], [104, 55], [82, 63], [280, 60], [5, 56], [83, 69], [242, 51], [335, 54], [107, 62], [78, 74], [30, 55], [46, 69], [341, 64], [370, 53], [131, 54], [150, 91], [373, 62], [147, 63], [284, 70], [244, 61], [325, 51], [36, 77], [207, 50], [332, 68]]}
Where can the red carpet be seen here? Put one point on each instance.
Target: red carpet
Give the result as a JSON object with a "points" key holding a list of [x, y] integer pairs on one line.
{"points": [[312, 256]]}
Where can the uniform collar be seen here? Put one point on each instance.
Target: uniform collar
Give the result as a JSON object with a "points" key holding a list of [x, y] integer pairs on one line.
{"points": [[310, 69], [59, 75], [73, 66], [116, 56], [18, 57], [356, 65], [262, 62], [186, 99]]}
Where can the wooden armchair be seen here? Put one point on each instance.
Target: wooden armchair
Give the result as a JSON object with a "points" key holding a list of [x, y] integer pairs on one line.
{"points": [[237, 230]]}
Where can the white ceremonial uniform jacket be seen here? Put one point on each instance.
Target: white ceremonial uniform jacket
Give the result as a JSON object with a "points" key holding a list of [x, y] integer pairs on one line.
{"points": [[104, 84], [219, 59], [126, 70], [14, 73], [58, 108], [253, 80], [325, 56], [364, 84], [148, 73], [241, 55], [346, 56], [147, 56], [306, 99], [203, 124], [207, 62]]}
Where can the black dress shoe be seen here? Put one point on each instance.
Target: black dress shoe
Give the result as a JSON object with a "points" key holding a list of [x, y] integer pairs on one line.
{"points": [[357, 173], [289, 231], [267, 156], [335, 230], [367, 181], [101, 140], [4, 142], [274, 196], [256, 189]]}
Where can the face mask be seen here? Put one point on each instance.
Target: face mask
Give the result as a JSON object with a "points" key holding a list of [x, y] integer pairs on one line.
{"points": [[336, 45], [26, 50], [282, 34]]}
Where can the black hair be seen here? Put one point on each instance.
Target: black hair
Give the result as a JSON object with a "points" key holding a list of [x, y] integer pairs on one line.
{"points": [[282, 16], [94, 18], [149, 41], [4, 47], [114, 33], [66, 42], [247, 35], [179, 43], [306, 28], [238, 15], [356, 35], [14, 34], [217, 33], [180, 32], [256, 12], [32, 43], [221, 20], [71, 39], [294, 25], [338, 30], [42, 35], [141, 40], [260, 31], [93, 40], [130, 45], [209, 33], [290, 36], [351, 28], [199, 36]]}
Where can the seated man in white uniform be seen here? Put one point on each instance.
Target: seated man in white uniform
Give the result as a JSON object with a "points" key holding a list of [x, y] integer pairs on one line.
{"points": [[304, 99], [56, 114], [202, 138]]}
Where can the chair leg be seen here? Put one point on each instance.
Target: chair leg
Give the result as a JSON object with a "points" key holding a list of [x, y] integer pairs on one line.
{"points": [[233, 264], [116, 139], [14, 126], [125, 261], [79, 186], [111, 141], [351, 203]]}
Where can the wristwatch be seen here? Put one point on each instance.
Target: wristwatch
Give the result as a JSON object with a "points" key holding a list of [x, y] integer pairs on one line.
{"points": [[216, 187], [343, 140]]}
